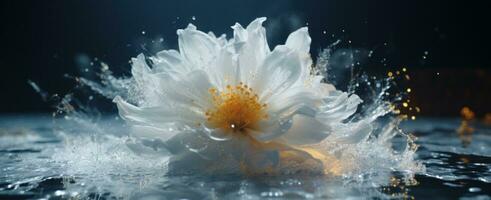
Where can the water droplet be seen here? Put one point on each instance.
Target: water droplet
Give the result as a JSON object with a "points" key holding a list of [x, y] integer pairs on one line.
{"points": [[474, 189], [193, 18], [143, 32], [60, 193]]}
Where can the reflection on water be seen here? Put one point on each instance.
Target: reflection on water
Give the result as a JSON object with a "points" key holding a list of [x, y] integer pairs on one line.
{"points": [[465, 129], [33, 166]]}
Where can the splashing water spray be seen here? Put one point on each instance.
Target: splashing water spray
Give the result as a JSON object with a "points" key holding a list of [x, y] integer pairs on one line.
{"points": [[232, 107]]}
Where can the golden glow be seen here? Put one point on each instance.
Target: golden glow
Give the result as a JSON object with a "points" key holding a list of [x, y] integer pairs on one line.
{"points": [[487, 119], [236, 109], [467, 113], [466, 129]]}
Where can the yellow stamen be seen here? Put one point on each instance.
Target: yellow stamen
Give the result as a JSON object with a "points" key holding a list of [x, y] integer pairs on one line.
{"points": [[236, 109]]}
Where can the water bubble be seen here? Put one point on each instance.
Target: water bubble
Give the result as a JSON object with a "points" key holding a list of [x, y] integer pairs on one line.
{"points": [[143, 32], [193, 18]]}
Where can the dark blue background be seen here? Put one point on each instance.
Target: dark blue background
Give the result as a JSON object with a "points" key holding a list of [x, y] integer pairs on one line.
{"points": [[42, 39]]}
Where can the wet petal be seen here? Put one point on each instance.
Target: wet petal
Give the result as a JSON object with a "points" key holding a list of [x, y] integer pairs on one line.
{"points": [[289, 102], [305, 130], [158, 116], [170, 62], [251, 46], [191, 90], [271, 129], [280, 70], [339, 106], [299, 40], [226, 71], [146, 81], [197, 47], [151, 132]]}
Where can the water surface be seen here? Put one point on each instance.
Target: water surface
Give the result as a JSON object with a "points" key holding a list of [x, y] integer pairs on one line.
{"points": [[35, 164]]}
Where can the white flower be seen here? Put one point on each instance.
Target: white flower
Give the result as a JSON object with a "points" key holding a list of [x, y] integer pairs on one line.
{"points": [[235, 101]]}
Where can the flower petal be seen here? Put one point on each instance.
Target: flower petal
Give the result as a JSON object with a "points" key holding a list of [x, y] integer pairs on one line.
{"points": [[222, 40], [191, 90], [197, 47], [150, 132], [338, 106], [158, 117], [145, 81], [305, 130], [299, 40], [170, 62], [271, 129], [288, 103], [225, 71], [198, 142], [251, 46], [279, 71]]}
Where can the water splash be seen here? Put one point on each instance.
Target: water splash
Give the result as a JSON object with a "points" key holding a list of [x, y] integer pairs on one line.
{"points": [[98, 156]]}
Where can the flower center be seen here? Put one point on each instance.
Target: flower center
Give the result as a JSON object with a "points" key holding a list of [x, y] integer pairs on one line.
{"points": [[236, 109]]}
